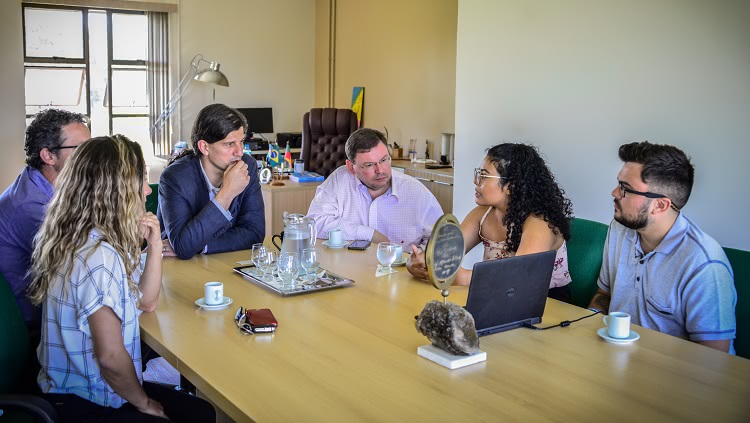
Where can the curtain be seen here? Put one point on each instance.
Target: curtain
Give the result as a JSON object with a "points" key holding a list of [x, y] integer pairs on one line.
{"points": [[158, 79]]}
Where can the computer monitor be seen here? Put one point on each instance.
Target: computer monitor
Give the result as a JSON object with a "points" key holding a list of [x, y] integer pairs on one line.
{"points": [[259, 119]]}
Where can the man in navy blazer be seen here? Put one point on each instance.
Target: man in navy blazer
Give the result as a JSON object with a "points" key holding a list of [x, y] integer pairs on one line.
{"points": [[209, 197]]}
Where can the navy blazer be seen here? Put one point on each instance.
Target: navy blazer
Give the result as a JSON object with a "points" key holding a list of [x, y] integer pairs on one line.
{"points": [[191, 221]]}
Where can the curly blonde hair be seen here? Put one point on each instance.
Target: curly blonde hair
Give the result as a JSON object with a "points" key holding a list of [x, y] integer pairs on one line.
{"points": [[100, 187]]}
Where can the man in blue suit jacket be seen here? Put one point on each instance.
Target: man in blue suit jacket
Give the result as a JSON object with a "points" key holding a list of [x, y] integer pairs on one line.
{"points": [[209, 197]]}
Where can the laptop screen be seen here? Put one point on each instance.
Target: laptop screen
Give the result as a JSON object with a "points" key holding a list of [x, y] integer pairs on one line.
{"points": [[507, 293]]}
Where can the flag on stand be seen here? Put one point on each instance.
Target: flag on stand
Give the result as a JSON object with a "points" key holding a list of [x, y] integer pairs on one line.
{"points": [[273, 158], [288, 157]]}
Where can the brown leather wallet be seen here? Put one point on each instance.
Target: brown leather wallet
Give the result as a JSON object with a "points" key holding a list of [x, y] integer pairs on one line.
{"points": [[261, 318]]}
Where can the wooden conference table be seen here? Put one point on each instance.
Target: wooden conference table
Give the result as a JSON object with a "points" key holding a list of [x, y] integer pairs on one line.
{"points": [[350, 354]]}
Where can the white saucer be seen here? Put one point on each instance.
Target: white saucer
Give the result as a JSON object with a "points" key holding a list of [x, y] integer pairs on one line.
{"points": [[201, 302], [401, 261], [329, 245], [631, 338]]}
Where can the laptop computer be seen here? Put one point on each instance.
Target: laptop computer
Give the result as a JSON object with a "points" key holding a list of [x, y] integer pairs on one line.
{"points": [[508, 293]]}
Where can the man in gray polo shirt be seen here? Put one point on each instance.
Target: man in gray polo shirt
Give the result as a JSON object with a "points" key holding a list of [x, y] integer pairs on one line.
{"points": [[658, 266]]}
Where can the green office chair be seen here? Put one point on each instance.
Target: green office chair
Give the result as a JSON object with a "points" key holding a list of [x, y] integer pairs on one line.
{"points": [[152, 201], [585, 249], [15, 361], [740, 261]]}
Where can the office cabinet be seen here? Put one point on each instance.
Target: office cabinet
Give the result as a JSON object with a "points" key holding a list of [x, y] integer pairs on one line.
{"points": [[438, 181], [292, 197]]}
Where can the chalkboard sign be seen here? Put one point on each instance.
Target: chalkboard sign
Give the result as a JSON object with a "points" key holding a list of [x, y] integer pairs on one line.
{"points": [[445, 251]]}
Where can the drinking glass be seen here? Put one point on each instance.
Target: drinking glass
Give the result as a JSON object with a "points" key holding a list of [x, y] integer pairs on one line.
{"points": [[255, 253], [310, 263], [299, 166], [267, 263], [288, 268], [387, 252]]}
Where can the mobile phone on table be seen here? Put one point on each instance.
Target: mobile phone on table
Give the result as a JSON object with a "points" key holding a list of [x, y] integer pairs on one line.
{"points": [[359, 245], [261, 320]]}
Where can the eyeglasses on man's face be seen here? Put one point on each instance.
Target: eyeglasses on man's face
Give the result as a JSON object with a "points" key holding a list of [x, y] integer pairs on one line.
{"points": [[369, 165], [625, 190], [62, 147], [479, 176]]}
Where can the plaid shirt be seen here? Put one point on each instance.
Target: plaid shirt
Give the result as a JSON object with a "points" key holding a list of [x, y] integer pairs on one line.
{"points": [[66, 352], [405, 213]]}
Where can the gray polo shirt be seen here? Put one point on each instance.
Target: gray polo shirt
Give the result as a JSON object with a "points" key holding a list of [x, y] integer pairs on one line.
{"points": [[685, 287]]}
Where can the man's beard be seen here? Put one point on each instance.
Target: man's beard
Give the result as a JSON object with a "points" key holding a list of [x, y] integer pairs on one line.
{"points": [[640, 221]]}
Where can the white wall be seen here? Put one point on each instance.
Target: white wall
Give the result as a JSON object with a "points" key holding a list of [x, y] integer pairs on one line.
{"points": [[265, 48], [12, 114], [579, 78]]}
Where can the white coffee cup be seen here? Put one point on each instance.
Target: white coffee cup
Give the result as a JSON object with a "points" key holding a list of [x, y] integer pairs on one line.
{"points": [[335, 237], [618, 324], [214, 293]]}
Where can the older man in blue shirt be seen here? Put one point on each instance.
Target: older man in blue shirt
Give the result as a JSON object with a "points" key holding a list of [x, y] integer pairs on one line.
{"points": [[51, 138], [659, 266]]}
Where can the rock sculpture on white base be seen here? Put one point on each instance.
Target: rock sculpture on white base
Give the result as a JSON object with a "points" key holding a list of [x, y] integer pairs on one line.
{"points": [[449, 327]]}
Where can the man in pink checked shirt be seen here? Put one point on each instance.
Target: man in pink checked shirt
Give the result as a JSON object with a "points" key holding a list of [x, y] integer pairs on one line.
{"points": [[367, 201]]}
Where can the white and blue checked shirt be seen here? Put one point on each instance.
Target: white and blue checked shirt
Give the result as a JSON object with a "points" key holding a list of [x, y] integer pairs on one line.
{"points": [[66, 352], [405, 213]]}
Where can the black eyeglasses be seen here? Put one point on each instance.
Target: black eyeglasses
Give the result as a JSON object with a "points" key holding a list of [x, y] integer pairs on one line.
{"points": [[624, 190], [240, 318], [62, 147]]}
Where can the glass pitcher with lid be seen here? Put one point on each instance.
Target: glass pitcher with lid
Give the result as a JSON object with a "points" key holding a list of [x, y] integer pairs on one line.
{"points": [[299, 233]]}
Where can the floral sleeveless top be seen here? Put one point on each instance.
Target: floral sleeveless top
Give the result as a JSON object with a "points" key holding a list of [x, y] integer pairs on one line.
{"points": [[496, 250]]}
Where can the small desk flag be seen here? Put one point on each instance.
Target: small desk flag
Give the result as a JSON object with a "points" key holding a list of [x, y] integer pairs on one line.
{"points": [[288, 156], [273, 158]]}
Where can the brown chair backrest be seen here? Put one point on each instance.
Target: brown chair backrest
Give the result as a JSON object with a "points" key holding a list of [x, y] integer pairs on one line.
{"points": [[324, 135]]}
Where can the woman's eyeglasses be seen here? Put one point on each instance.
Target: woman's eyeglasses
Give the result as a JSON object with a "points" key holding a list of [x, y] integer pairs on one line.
{"points": [[479, 176]]}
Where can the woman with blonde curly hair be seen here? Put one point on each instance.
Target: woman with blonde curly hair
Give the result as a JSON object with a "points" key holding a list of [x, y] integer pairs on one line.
{"points": [[86, 272]]}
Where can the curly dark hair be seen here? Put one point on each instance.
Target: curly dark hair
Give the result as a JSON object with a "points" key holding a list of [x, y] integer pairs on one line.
{"points": [[45, 131], [533, 190]]}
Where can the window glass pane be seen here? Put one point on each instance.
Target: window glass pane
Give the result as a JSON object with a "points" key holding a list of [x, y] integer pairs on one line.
{"points": [[129, 37], [98, 69], [62, 88], [54, 32], [129, 91], [135, 128]]}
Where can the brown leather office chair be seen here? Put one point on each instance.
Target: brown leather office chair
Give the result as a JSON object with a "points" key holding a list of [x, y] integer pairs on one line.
{"points": [[324, 134]]}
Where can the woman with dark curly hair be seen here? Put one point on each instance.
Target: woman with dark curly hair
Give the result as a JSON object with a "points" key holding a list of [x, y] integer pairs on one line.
{"points": [[520, 210]]}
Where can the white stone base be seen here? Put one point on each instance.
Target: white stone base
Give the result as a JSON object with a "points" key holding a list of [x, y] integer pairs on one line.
{"points": [[448, 360]]}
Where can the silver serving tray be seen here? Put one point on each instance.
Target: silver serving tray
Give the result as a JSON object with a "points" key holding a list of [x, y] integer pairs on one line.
{"points": [[325, 280]]}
